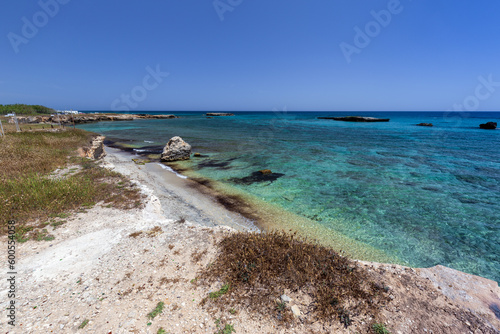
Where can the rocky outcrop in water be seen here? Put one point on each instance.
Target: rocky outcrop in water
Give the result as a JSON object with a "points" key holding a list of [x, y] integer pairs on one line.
{"points": [[147, 116], [95, 150], [488, 126], [425, 124], [176, 149], [219, 114], [357, 119], [85, 118]]}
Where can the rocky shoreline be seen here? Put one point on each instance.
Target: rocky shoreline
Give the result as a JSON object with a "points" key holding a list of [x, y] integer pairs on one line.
{"points": [[112, 267], [85, 118]]}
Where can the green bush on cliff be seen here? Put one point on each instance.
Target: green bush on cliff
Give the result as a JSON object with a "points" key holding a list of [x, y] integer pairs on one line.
{"points": [[25, 109]]}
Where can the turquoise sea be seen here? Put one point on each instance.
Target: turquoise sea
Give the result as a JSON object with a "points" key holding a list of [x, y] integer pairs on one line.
{"points": [[423, 195]]}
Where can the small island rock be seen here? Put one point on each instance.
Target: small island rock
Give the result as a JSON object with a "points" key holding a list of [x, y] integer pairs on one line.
{"points": [[219, 114], [488, 126], [176, 149], [265, 171], [356, 119], [425, 124]]}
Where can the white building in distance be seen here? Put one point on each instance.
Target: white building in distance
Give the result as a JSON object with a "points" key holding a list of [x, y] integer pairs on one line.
{"points": [[66, 112]]}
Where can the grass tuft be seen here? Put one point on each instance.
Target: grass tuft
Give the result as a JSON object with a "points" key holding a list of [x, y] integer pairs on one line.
{"points": [[223, 290], [158, 309], [83, 324], [228, 329], [380, 329]]}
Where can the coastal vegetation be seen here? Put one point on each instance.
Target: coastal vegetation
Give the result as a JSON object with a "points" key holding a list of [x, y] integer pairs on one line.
{"points": [[380, 329], [43, 179], [157, 310], [83, 324], [25, 109], [258, 268]]}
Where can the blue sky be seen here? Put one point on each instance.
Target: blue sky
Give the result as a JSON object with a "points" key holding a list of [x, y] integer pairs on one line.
{"points": [[251, 54]]}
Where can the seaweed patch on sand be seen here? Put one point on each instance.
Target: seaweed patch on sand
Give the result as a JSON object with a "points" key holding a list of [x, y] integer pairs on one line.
{"points": [[233, 203]]}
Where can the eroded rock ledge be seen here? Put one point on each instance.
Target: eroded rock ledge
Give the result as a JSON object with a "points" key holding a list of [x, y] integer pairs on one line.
{"points": [[85, 118], [219, 114]]}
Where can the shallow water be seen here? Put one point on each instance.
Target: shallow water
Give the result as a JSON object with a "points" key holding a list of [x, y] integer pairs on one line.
{"points": [[424, 196]]}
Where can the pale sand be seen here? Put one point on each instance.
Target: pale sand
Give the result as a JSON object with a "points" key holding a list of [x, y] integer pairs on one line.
{"points": [[95, 270]]}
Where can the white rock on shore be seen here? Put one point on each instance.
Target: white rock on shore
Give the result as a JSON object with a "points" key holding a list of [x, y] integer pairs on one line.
{"points": [[176, 149]]}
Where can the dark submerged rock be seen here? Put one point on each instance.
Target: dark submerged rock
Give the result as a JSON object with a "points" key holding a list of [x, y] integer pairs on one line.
{"points": [[357, 119], [425, 124], [215, 164], [256, 177]]}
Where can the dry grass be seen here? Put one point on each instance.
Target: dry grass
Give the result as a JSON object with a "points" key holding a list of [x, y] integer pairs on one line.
{"points": [[28, 194], [38, 152], [259, 267]]}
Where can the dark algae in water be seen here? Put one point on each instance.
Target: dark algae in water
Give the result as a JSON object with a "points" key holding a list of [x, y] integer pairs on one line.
{"points": [[256, 177]]}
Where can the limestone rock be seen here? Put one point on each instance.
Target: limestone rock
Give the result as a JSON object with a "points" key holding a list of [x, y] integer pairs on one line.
{"points": [[176, 149], [285, 299], [477, 294], [95, 150], [156, 116], [296, 310]]}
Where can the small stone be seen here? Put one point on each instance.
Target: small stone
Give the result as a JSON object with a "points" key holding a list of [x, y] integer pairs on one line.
{"points": [[285, 298], [296, 310]]}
